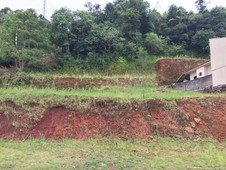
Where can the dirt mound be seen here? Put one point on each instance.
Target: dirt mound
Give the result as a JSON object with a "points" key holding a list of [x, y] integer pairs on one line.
{"points": [[191, 118], [169, 70]]}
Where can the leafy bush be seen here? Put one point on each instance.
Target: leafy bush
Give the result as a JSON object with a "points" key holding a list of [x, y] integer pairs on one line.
{"points": [[155, 45]]}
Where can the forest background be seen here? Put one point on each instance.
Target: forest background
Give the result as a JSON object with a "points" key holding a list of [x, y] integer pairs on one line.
{"points": [[122, 34]]}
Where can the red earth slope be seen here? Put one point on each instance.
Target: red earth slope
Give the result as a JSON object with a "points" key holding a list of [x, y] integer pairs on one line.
{"points": [[191, 118]]}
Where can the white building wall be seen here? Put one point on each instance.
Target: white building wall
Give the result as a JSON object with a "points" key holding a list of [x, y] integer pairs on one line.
{"points": [[218, 60], [192, 75], [219, 77], [208, 70], [200, 72]]}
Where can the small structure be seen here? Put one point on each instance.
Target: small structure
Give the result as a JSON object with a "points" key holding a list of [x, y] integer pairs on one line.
{"points": [[208, 75]]}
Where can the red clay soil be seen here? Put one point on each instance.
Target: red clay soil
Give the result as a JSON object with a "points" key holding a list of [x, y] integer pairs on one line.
{"points": [[5, 125], [60, 123], [191, 118], [169, 70]]}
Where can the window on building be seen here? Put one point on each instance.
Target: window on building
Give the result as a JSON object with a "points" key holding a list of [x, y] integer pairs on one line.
{"points": [[200, 73], [195, 77]]}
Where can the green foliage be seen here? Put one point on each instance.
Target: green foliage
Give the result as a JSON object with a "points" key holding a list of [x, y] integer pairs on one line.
{"points": [[98, 61], [155, 45], [200, 41], [120, 65], [22, 44], [201, 6], [109, 91], [177, 50], [96, 38]]}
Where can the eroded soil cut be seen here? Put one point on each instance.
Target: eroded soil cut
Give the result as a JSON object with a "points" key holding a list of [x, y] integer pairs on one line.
{"points": [[193, 118]]}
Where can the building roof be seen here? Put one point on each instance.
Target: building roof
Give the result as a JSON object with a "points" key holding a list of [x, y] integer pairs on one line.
{"points": [[184, 75]]}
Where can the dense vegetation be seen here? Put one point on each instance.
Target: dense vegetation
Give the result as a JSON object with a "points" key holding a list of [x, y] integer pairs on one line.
{"points": [[122, 32]]}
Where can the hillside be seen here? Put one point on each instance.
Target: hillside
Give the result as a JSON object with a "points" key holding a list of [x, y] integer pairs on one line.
{"points": [[55, 107], [57, 121]]}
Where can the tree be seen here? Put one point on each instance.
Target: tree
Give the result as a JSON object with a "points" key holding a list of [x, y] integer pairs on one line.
{"points": [[156, 22], [104, 37], [110, 12], [131, 18], [5, 11], [93, 8], [155, 44], [200, 41], [5, 60], [201, 6], [24, 45], [177, 25], [81, 28], [217, 20], [61, 22]]}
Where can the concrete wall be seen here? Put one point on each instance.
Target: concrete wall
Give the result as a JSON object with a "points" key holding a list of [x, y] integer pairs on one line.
{"points": [[196, 85], [218, 60]]}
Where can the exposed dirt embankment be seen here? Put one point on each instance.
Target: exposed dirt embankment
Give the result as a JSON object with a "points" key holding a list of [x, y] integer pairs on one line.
{"points": [[192, 118], [169, 70]]}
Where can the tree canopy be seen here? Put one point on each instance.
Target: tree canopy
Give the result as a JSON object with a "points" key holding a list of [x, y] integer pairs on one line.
{"points": [[100, 36]]}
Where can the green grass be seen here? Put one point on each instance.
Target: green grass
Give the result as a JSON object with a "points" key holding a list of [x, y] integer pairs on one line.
{"points": [[162, 153], [127, 92], [92, 75]]}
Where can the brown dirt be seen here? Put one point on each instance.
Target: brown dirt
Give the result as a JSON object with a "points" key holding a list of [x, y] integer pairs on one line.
{"points": [[169, 70], [191, 118], [5, 125]]}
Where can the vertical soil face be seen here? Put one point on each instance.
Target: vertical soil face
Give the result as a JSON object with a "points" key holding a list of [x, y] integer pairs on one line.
{"points": [[191, 118], [205, 116], [60, 123], [163, 119], [5, 125], [51, 125]]}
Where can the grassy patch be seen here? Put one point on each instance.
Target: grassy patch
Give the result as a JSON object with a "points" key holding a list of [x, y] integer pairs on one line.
{"points": [[127, 92], [163, 153], [93, 75]]}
